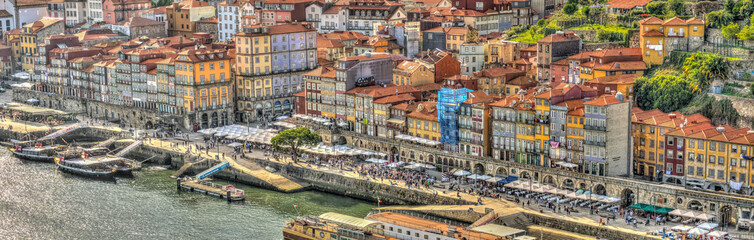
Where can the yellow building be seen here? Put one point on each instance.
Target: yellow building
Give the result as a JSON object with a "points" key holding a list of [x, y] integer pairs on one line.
{"points": [[413, 74], [618, 83], [648, 132], [500, 51], [423, 122], [575, 132], [658, 38], [207, 83], [493, 81], [612, 62], [525, 151], [714, 156], [542, 127], [454, 36], [34, 34], [377, 44]]}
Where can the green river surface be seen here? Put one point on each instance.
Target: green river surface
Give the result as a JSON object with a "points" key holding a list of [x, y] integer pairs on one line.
{"points": [[39, 202]]}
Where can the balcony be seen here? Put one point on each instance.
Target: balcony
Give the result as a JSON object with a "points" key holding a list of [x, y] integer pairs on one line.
{"points": [[592, 127], [328, 27], [477, 130], [595, 143]]}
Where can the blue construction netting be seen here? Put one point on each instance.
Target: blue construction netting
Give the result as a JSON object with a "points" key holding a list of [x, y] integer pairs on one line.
{"points": [[448, 102]]}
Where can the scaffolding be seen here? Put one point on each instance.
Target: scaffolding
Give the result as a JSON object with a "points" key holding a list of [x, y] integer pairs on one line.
{"points": [[449, 100]]}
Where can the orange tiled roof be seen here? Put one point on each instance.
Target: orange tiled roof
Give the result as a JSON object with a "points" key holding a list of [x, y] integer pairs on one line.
{"points": [[653, 33], [674, 21], [603, 100], [651, 21], [627, 4]]}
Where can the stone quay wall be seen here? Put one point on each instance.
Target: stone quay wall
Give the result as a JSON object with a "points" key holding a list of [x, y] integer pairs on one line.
{"points": [[357, 188]]}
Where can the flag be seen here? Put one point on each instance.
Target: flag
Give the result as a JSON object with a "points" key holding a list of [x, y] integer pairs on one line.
{"points": [[295, 206], [379, 201]]}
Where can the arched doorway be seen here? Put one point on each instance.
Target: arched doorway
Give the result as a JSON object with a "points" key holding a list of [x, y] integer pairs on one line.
{"points": [[599, 190], [582, 186], [726, 213], [524, 175], [149, 125], [567, 184], [549, 180], [224, 119], [431, 159], [214, 119], [501, 172], [695, 205], [627, 197], [205, 120], [394, 153], [479, 169]]}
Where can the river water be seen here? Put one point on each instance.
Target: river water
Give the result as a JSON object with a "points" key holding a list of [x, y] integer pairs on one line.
{"points": [[38, 202]]}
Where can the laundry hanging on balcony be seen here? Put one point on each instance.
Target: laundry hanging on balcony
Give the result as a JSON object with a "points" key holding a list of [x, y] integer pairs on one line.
{"points": [[746, 157]]}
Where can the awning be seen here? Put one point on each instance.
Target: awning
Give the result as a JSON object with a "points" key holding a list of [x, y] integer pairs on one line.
{"points": [[396, 121], [651, 208], [358, 223]]}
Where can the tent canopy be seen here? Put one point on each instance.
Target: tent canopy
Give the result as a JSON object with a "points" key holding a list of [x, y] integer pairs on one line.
{"points": [[651, 208]]}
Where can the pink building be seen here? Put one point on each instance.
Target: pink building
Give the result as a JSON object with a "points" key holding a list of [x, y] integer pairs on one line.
{"points": [[114, 11]]}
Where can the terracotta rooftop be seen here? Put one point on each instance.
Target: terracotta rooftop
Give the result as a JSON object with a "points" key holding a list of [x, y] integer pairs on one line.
{"points": [[651, 21], [497, 72], [627, 4], [603, 100], [395, 98], [653, 33]]}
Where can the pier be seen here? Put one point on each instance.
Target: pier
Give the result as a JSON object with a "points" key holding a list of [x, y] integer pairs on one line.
{"points": [[212, 189]]}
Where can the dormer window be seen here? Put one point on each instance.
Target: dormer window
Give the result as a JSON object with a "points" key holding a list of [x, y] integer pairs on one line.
{"points": [[201, 57]]}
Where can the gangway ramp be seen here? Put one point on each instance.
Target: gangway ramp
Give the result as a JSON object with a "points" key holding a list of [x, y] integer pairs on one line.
{"points": [[211, 171], [128, 149], [62, 132], [105, 143]]}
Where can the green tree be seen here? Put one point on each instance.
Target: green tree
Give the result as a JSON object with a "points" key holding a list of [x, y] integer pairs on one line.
{"points": [[664, 92], [656, 8], [570, 8], [729, 5], [701, 69], [731, 31], [719, 19], [572, 2], [745, 34], [161, 3], [746, 8], [292, 139], [675, 6]]}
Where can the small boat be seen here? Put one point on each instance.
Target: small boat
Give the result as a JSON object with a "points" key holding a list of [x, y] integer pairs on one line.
{"points": [[77, 168], [36, 153], [79, 152]]}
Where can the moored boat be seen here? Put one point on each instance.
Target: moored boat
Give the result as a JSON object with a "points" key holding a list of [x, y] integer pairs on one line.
{"points": [[36, 153], [93, 172]]}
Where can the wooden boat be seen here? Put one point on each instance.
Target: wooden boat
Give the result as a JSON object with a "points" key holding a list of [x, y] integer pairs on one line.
{"points": [[79, 152], [36, 153], [96, 167]]}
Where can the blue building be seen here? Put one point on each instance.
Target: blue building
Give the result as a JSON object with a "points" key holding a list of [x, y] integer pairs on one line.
{"points": [[448, 103]]}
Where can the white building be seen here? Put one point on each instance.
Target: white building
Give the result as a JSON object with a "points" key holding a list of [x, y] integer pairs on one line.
{"points": [[314, 14], [333, 19], [75, 12], [471, 56], [22, 12], [227, 20], [94, 10], [248, 15]]}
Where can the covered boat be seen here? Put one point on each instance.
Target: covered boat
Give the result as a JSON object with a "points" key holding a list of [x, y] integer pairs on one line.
{"points": [[97, 167], [37, 153]]}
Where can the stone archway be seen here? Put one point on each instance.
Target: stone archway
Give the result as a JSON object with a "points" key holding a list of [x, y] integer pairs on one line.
{"points": [[567, 184], [524, 175], [627, 197], [479, 169], [599, 189], [549, 180], [149, 125], [214, 119], [726, 213], [431, 159], [501, 172], [205, 121], [224, 119], [695, 205], [582, 185]]}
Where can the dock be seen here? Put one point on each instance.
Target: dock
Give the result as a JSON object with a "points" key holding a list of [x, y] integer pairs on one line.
{"points": [[211, 189]]}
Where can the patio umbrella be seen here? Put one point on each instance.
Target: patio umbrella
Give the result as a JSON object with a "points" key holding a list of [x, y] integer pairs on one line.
{"points": [[717, 234], [681, 228], [704, 216], [707, 226], [235, 144], [461, 173], [697, 231]]}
